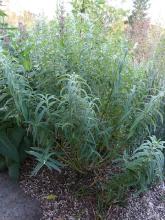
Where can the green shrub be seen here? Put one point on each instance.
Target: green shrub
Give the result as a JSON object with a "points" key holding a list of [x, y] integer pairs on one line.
{"points": [[73, 87]]}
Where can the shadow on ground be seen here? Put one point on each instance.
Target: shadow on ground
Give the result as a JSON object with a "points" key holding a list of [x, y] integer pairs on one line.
{"points": [[14, 204]]}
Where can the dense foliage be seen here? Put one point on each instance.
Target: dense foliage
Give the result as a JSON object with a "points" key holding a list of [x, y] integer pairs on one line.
{"points": [[71, 94]]}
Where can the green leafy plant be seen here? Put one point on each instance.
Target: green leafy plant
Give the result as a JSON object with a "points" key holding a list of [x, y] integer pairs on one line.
{"points": [[141, 169], [147, 161], [13, 144], [44, 158], [78, 122]]}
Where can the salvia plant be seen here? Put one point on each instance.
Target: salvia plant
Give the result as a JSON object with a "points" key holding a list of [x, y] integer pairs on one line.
{"points": [[72, 95]]}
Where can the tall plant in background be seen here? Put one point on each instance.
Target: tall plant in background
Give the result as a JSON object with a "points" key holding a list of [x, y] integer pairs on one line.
{"points": [[139, 27], [2, 17], [139, 12]]}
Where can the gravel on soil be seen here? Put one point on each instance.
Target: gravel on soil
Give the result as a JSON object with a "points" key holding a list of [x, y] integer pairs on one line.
{"points": [[57, 195], [148, 206]]}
